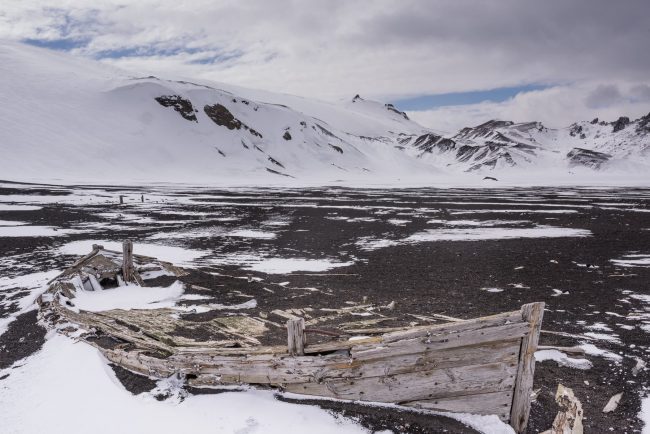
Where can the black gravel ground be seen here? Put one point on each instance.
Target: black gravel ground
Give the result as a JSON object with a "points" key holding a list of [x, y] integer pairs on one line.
{"points": [[443, 277]]}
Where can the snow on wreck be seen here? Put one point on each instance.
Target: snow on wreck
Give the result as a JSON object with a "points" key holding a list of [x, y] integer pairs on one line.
{"points": [[482, 366]]}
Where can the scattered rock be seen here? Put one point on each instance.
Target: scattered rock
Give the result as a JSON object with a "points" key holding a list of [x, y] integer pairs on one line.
{"points": [[612, 404], [286, 136], [336, 148], [490, 178]]}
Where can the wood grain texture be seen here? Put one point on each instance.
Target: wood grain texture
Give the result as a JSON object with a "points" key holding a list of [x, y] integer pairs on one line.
{"points": [[533, 314]]}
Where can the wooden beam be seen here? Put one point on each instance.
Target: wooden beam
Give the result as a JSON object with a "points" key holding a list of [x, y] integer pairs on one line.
{"points": [[533, 314], [296, 336], [127, 262]]}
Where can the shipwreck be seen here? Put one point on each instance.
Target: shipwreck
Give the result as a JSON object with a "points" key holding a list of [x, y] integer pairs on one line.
{"points": [[482, 366]]}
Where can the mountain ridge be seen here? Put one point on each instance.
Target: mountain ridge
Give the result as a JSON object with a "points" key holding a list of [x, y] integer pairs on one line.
{"points": [[72, 118]]}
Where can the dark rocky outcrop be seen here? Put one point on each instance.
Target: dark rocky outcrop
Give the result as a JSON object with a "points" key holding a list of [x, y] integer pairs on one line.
{"points": [[391, 107], [643, 124], [286, 136], [220, 115], [576, 130], [181, 105], [336, 148], [429, 142], [621, 123], [587, 158]]}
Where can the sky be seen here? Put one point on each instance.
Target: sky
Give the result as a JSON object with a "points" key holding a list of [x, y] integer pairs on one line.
{"points": [[448, 63]]}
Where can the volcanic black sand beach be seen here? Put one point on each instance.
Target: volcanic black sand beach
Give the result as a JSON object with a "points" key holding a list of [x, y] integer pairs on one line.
{"points": [[456, 252]]}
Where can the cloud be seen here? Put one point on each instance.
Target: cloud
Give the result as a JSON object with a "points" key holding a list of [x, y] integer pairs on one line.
{"points": [[555, 107], [583, 53]]}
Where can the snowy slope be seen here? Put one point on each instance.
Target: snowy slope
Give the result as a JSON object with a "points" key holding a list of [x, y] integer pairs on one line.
{"points": [[70, 119]]}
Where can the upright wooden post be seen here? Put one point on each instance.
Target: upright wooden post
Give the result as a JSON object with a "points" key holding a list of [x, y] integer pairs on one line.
{"points": [[121, 200], [296, 336], [532, 313], [127, 261]]}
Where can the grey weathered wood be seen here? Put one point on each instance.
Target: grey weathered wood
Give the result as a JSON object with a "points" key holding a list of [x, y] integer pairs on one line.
{"points": [[414, 386], [121, 199], [440, 341], [533, 314], [127, 261], [296, 336], [483, 403]]}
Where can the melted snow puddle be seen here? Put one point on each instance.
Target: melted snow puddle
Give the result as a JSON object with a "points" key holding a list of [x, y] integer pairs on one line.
{"points": [[633, 260], [270, 265], [176, 255], [471, 234]]}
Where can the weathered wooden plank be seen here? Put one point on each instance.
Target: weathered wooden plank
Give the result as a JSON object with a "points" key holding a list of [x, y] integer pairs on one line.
{"points": [[472, 324], [296, 336], [440, 341], [503, 351], [127, 264], [437, 383], [484, 403], [533, 314]]}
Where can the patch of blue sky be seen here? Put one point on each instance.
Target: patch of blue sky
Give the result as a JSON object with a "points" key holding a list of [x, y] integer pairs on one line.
{"points": [[426, 102]]}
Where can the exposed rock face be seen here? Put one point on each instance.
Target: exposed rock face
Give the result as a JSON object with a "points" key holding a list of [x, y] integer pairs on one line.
{"points": [[337, 148], [576, 130], [181, 105], [621, 123], [222, 116], [286, 136], [392, 108], [587, 157], [643, 125], [429, 142]]}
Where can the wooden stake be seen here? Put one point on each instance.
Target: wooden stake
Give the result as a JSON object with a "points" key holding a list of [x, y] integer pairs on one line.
{"points": [[296, 336], [121, 200], [127, 262], [532, 313]]}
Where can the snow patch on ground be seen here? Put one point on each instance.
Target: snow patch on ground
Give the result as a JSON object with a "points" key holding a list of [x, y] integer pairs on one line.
{"points": [[9, 207], [252, 233], [633, 260], [472, 234], [34, 231], [66, 373], [562, 359], [176, 255], [129, 297], [280, 265]]}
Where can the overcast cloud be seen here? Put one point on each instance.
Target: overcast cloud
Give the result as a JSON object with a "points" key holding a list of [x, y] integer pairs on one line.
{"points": [[590, 54]]}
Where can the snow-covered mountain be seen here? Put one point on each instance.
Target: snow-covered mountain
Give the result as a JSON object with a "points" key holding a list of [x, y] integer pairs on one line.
{"points": [[74, 119]]}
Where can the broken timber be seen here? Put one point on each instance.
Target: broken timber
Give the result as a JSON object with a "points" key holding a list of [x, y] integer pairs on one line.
{"points": [[483, 365]]}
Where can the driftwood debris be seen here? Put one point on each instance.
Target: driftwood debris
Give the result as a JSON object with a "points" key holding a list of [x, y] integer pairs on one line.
{"points": [[569, 419], [483, 365]]}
